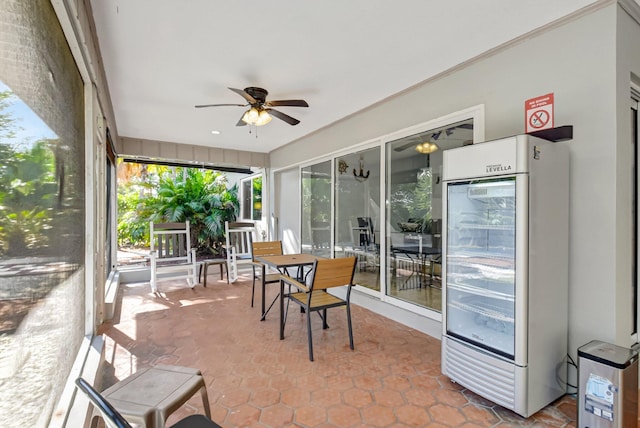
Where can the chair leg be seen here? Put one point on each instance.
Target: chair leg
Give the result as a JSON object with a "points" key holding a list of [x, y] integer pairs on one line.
{"points": [[193, 279], [285, 309], [154, 285], [349, 324], [232, 266], [205, 399], [309, 335], [253, 288], [264, 315], [324, 320]]}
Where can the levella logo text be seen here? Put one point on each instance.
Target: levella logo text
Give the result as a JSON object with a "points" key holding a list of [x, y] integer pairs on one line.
{"points": [[498, 168]]}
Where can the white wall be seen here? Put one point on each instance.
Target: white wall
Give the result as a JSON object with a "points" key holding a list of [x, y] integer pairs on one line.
{"points": [[576, 60], [286, 209], [627, 70]]}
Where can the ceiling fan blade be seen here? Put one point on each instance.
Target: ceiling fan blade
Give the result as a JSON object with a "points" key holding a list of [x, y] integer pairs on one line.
{"points": [[287, 103], [290, 120], [219, 105], [464, 126], [241, 122], [405, 146], [244, 95]]}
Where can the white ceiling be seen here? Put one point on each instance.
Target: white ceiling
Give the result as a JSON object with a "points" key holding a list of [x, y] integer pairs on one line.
{"points": [[162, 57]]}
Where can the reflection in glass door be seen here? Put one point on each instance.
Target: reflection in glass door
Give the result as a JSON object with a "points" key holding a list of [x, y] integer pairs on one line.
{"points": [[357, 213], [316, 209], [414, 212]]}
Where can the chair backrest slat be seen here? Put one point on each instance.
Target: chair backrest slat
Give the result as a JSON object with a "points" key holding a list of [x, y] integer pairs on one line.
{"points": [[329, 273], [267, 248], [170, 240], [240, 235]]}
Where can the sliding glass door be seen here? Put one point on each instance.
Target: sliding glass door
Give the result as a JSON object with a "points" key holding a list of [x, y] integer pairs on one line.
{"points": [[316, 209], [414, 212], [357, 213], [397, 248]]}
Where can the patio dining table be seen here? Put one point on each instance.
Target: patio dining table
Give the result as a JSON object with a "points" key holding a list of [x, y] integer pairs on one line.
{"points": [[282, 263]]}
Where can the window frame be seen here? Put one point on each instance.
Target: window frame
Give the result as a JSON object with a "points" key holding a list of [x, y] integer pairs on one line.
{"points": [[256, 214], [634, 106]]}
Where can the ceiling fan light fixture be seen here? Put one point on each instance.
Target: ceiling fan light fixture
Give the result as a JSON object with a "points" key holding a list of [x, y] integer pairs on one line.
{"points": [[256, 116], [426, 148], [251, 116], [263, 118]]}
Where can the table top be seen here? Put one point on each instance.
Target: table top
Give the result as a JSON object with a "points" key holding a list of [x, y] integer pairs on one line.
{"points": [[288, 260], [416, 249], [149, 395]]}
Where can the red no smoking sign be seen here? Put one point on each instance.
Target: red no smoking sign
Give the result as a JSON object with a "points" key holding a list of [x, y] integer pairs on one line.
{"points": [[538, 113]]}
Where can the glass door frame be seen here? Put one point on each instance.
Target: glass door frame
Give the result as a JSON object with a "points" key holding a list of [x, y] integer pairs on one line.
{"points": [[634, 129], [476, 114]]}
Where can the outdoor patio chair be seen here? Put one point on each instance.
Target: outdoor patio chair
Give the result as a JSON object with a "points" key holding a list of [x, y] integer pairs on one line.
{"points": [[326, 274], [171, 253], [239, 237], [113, 419], [365, 228], [261, 272]]}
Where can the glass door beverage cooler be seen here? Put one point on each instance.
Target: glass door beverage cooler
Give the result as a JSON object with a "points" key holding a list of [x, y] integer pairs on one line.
{"points": [[505, 273]]}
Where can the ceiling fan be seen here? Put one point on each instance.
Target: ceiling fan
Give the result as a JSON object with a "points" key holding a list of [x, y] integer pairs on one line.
{"points": [[260, 110]]}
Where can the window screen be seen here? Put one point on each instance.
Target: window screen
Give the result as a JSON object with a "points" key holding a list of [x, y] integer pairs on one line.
{"points": [[42, 199]]}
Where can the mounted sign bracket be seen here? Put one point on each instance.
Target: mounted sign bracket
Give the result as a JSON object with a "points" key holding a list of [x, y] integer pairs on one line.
{"points": [[556, 135]]}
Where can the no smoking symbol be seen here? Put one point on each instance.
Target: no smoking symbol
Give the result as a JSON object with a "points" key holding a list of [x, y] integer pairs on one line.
{"points": [[539, 118]]}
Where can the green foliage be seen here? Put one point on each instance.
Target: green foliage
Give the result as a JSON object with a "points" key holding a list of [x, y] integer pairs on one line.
{"points": [[28, 191], [8, 126], [23, 230], [133, 212], [200, 196], [421, 206], [413, 200]]}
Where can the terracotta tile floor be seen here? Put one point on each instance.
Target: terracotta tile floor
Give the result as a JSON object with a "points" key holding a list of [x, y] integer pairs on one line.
{"points": [[392, 379]]}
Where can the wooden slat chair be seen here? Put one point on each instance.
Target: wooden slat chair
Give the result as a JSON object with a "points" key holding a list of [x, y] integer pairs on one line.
{"points": [[326, 274], [261, 272], [239, 237], [171, 253]]}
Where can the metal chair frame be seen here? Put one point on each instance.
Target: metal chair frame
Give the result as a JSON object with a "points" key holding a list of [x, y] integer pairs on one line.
{"points": [[326, 273]]}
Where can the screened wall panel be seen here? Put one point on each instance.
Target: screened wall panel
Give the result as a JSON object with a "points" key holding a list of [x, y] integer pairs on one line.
{"points": [[42, 215]]}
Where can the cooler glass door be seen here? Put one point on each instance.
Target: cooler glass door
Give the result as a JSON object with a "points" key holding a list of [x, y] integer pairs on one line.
{"points": [[480, 268]]}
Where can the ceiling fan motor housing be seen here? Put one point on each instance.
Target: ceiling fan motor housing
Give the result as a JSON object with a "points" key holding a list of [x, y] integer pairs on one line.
{"points": [[258, 94]]}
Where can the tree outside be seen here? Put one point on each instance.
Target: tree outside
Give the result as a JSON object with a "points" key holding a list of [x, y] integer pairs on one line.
{"points": [[174, 194], [30, 194], [412, 201]]}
